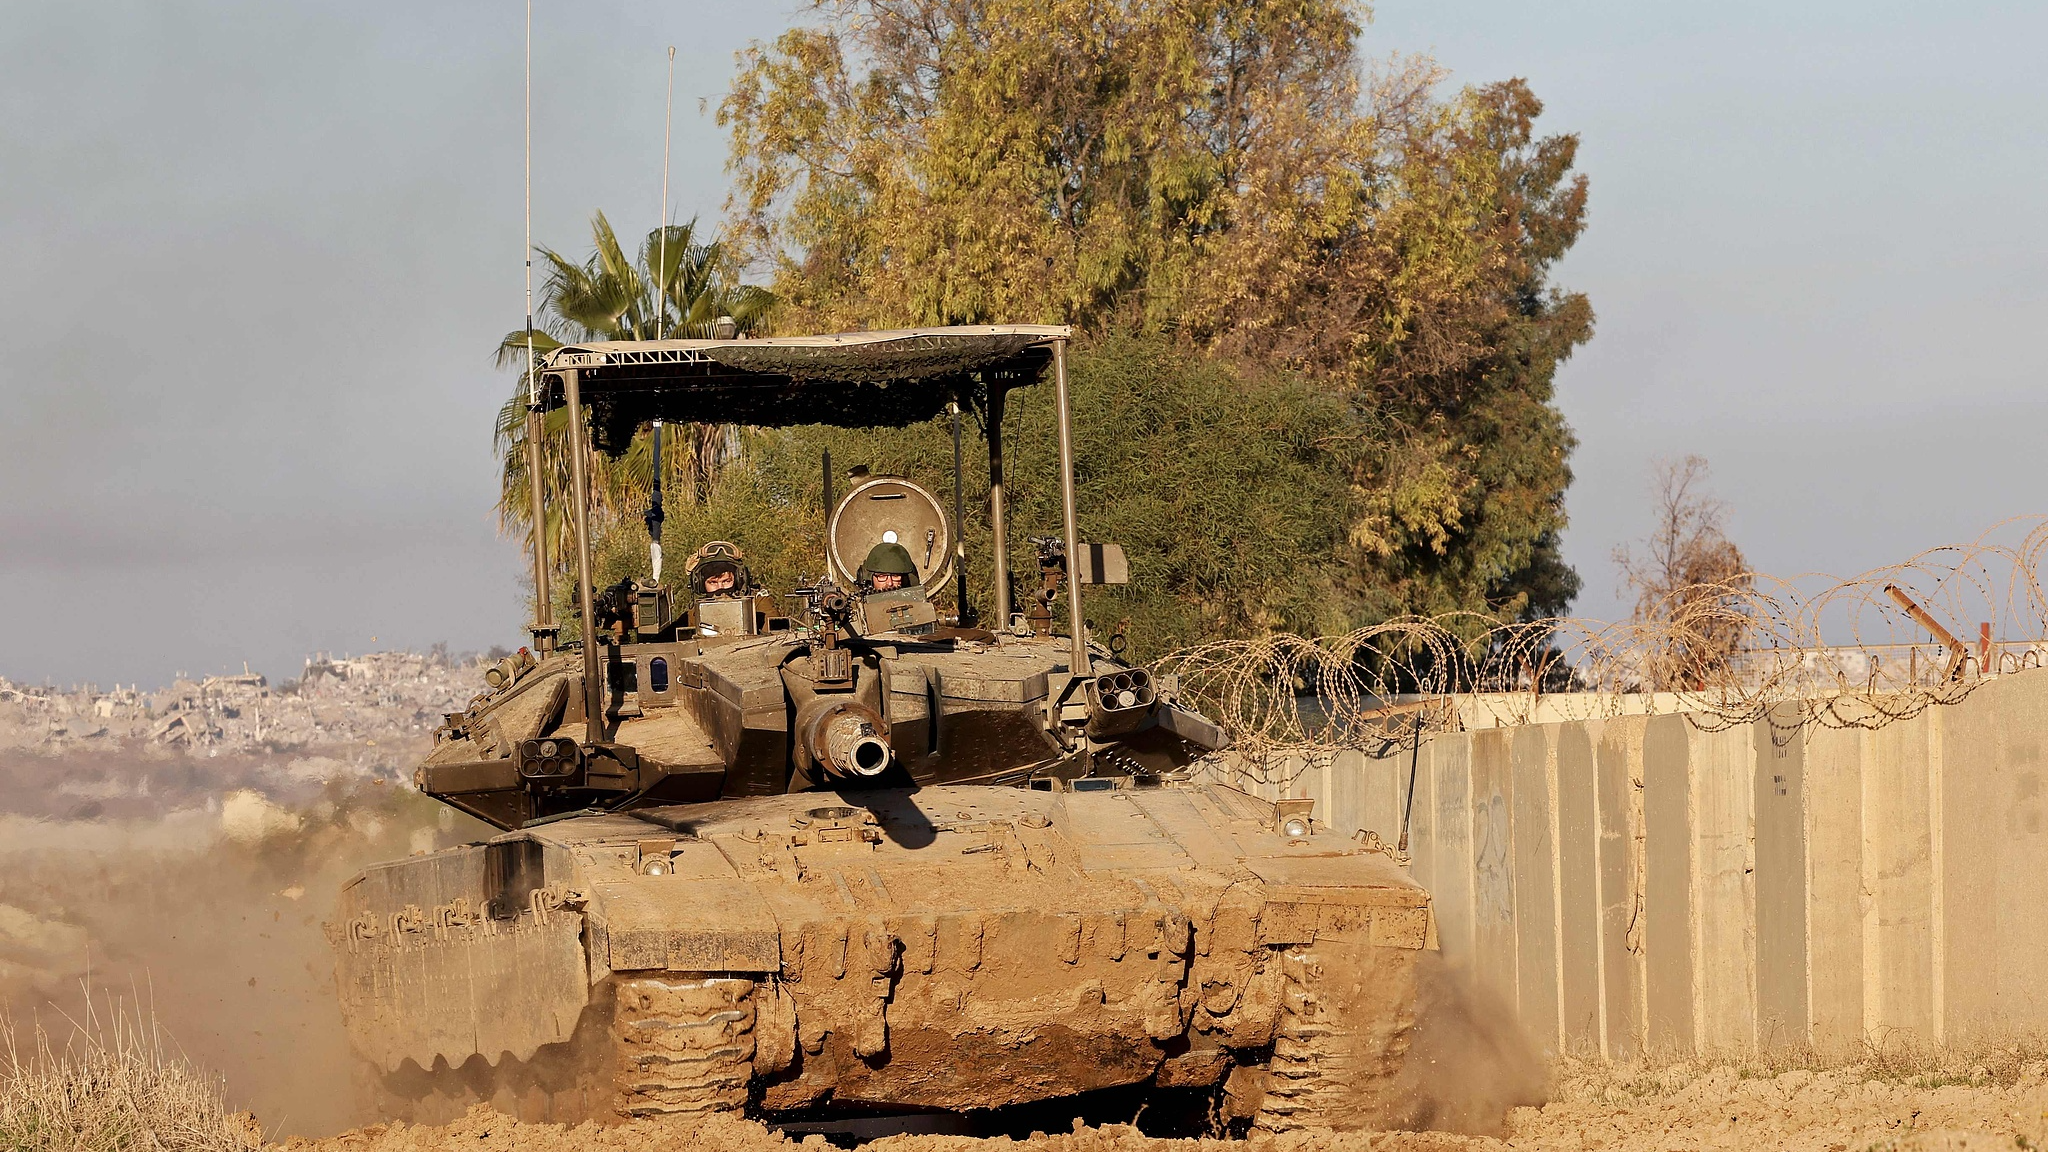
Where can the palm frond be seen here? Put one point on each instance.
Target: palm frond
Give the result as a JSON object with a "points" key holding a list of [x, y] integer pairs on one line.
{"points": [[677, 291]]}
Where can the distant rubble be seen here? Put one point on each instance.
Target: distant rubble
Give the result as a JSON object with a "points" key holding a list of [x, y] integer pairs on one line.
{"points": [[350, 703]]}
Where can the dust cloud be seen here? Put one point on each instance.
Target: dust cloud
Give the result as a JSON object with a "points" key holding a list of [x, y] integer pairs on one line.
{"points": [[1469, 1061], [194, 891]]}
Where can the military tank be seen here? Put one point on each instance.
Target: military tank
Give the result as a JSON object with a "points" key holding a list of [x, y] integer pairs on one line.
{"points": [[837, 853]]}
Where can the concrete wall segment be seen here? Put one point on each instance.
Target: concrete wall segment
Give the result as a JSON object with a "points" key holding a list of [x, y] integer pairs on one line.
{"points": [[1833, 777], [1994, 858], [1618, 766], [1534, 779], [1670, 931], [1897, 835], [1724, 973], [1578, 889], [1494, 938], [1782, 989], [1448, 759]]}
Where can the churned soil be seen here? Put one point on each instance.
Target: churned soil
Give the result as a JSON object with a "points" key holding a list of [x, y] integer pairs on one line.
{"points": [[1701, 1105], [1689, 1106]]}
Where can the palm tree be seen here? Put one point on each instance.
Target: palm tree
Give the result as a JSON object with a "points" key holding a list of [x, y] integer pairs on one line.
{"points": [[678, 288]]}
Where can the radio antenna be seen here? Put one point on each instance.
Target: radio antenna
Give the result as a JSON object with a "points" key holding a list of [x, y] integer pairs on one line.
{"points": [[532, 381], [536, 422], [654, 511], [661, 264]]}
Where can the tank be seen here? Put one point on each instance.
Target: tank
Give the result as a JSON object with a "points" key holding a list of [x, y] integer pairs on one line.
{"points": [[835, 853]]}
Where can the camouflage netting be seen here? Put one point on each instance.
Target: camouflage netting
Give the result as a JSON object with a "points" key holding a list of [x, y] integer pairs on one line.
{"points": [[909, 359], [887, 383]]}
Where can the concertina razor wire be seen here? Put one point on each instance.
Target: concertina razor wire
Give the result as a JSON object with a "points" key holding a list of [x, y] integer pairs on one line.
{"points": [[1725, 654]]}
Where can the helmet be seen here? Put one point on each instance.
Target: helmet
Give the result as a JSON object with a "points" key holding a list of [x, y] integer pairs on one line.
{"points": [[719, 558], [890, 556]]}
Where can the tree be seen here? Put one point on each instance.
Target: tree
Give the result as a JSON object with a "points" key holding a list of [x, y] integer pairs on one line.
{"points": [[677, 288], [1435, 314], [1691, 582], [1227, 175], [1083, 160]]}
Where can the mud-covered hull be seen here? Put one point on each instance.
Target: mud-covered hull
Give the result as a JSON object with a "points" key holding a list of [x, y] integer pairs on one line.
{"points": [[949, 948]]}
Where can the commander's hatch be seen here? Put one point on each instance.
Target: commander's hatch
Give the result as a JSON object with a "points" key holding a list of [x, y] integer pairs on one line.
{"points": [[891, 510]]}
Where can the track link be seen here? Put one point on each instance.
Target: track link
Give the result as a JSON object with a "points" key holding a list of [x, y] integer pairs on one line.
{"points": [[1346, 1020], [685, 1044]]}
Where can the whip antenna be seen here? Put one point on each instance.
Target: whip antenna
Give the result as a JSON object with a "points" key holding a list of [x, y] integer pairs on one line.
{"points": [[661, 286], [532, 381], [661, 276], [536, 423]]}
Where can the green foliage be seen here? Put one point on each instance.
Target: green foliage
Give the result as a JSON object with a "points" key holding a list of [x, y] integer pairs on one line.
{"points": [[677, 288], [969, 161]]}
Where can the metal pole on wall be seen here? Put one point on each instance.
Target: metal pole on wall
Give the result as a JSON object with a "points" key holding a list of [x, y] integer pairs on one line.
{"points": [[1414, 760], [1076, 628], [593, 688]]}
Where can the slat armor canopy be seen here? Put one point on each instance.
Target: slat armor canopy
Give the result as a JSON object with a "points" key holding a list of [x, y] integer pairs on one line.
{"points": [[848, 380]]}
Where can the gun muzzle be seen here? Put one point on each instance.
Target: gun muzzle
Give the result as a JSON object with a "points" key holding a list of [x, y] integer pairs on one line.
{"points": [[861, 753], [843, 737]]}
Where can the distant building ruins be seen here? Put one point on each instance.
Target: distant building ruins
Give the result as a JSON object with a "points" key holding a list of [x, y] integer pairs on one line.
{"points": [[380, 697]]}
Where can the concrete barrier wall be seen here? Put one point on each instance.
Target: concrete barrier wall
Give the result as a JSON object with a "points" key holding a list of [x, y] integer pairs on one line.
{"points": [[1640, 883]]}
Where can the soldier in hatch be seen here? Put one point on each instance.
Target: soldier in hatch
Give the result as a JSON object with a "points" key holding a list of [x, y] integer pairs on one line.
{"points": [[895, 600], [723, 589], [889, 568], [719, 569]]}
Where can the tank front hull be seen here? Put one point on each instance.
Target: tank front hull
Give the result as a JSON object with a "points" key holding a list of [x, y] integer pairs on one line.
{"points": [[952, 948]]}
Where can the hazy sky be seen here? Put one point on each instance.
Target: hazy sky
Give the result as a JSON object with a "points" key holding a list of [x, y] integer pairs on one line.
{"points": [[256, 256]]}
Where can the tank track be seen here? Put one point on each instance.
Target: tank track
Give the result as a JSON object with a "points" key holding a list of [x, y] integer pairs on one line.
{"points": [[1347, 1017], [685, 1044]]}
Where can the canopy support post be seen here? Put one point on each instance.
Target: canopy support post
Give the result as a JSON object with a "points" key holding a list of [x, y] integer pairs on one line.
{"points": [[536, 483], [1077, 630], [961, 612], [579, 466], [999, 547]]}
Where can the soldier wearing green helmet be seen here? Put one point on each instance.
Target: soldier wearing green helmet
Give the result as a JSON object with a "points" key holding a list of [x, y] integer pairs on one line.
{"points": [[888, 568]]}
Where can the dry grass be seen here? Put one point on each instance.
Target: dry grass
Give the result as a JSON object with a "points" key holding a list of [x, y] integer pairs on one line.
{"points": [[114, 1085]]}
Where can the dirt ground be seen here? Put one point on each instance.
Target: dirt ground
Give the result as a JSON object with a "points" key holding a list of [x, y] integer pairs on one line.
{"points": [[199, 902], [1684, 1107]]}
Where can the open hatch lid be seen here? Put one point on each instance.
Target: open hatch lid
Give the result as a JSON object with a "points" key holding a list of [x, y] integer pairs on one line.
{"points": [[849, 379]]}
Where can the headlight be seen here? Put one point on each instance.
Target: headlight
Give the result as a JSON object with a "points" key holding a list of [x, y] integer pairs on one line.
{"points": [[1296, 828]]}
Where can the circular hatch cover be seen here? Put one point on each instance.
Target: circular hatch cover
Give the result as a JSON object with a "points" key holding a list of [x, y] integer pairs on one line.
{"points": [[891, 508]]}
